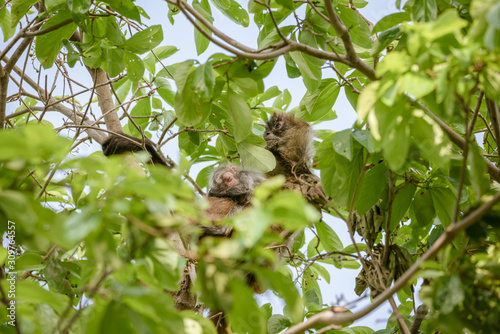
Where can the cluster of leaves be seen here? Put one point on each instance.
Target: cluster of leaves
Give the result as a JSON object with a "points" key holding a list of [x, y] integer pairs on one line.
{"points": [[111, 227], [434, 60]]}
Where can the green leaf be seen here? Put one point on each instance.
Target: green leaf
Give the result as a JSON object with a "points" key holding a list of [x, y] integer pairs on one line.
{"points": [[29, 261], [5, 23], [373, 184], [48, 45], [447, 23], [277, 323], [162, 52], [141, 108], [200, 41], [145, 40], [233, 11], [366, 101], [193, 89], [433, 144], [319, 102], [329, 239], [19, 9], [416, 85], [256, 157], [444, 201], [204, 82], [390, 21], [449, 294], [241, 114], [424, 10], [79, 9], [269, 94], [134, 65], [384, 39], [342, 143], [165, 90], [401, 203], [72, 55], [126, 8], [248, 85], [3, 256], [310, 68], [478, 172], [16, 207], [31, 292], [321, 271], [358, 28], [114, 61], [245, 317], [424, 207]]}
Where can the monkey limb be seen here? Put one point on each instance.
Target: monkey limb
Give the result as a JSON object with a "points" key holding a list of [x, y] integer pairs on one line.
{"points": [[290, 141], [119, 145]]}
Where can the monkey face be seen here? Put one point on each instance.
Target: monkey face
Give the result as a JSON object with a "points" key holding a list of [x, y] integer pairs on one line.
{"points": [[223, 180], [275, 129]]}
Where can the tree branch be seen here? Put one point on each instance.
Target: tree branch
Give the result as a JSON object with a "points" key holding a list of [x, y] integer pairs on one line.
{"points": [[344, 35], [495, 121], [329, 317], [459, 140], [265, 54], [96, 135]]}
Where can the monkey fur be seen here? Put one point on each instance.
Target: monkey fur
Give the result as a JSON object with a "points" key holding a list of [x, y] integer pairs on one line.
{"points": [[290, 141], [119, 145], [231, 189]]}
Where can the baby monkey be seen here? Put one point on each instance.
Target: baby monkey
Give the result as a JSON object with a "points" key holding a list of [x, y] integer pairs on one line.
{"points": [[231, 189]]}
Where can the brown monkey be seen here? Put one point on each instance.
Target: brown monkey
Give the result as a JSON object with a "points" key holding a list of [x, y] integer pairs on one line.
{"points": [[231, 190], [119, 145], [290, 141]]}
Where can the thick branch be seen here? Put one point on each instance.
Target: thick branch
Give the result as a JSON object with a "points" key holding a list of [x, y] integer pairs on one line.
{"points": [[267, 53], [495, 121], [105, 100], [344, 35], [329, 317], [422, 311]]}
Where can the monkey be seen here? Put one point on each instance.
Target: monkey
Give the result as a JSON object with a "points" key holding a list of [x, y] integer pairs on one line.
{"points": [[119, 145], [230, 191], [290, 141]]}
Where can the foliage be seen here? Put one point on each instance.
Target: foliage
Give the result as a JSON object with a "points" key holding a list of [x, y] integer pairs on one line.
{"points": [[96, 242]]}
